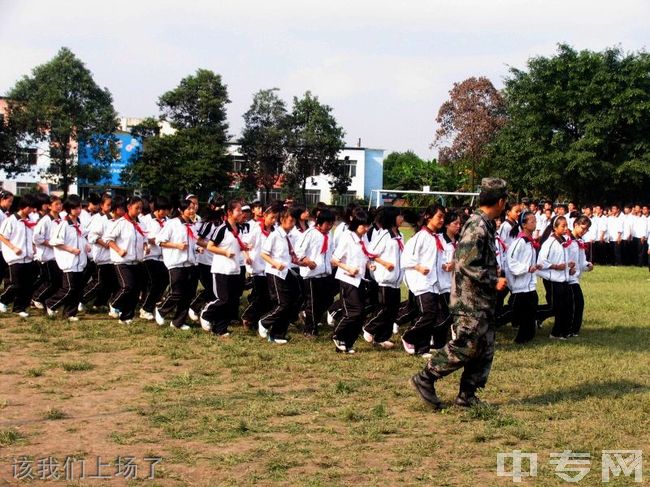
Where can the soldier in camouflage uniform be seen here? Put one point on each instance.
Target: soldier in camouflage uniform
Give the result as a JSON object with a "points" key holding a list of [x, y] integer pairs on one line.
{"points": [[473, 302]]}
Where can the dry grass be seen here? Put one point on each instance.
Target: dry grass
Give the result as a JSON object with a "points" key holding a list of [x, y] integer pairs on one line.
{"points": [[242, 411]]}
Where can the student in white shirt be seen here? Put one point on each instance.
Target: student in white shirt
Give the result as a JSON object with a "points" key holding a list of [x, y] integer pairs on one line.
{"points": [[522, 279], [314, 251], [445, 268], [352, 257], [576, 253], [50, 277], [103, 282], [180, 251], [615, 235], [555, 270], [387, 246], [127, 239], [71, 254], [419, 261], [227, 247], [157, 275], [6, 200], [278, 253], [16, 236], [259, 299]]}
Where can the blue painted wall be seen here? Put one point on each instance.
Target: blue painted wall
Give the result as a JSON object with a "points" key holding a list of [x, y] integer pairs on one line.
{"points": [[128, 147], [374, 175]]}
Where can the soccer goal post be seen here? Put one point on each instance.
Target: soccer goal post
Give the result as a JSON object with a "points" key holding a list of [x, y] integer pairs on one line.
{"points": [[376, 195]]}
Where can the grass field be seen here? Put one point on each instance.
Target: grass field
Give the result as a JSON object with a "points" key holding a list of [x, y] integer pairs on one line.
{"points": [[241, 411]]}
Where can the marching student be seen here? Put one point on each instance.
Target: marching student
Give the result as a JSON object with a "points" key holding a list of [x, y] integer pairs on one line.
{"points": [[314, 251], [301, 218], [420, 263], [335, 311], [576, 253], [615, 235], [127, 240], [445, 268], [227, 247], [16, 235], [555, 270], [506, 234], [104, 281], [351, 257], [6, 200], [178, 242], [71, 254], [280, 257], [157, 276], [387, 246], [259, 299], [50, 275], [522, 278]]}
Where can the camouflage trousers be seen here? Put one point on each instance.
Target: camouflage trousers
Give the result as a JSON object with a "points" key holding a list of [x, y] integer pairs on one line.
{"points": [[471, 348]]}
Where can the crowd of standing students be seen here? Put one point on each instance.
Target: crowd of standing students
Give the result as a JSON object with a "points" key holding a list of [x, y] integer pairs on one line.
{"points": [[116, 255]]}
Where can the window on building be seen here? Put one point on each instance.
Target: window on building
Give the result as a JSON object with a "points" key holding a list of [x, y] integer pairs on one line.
{"points": [[345, 198], [238, 163], [350, 166], [312, 196], [24, 188], [29, 156]]}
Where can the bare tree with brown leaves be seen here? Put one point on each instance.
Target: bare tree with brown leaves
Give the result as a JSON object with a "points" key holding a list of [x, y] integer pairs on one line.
{"points": [[468, 122]]}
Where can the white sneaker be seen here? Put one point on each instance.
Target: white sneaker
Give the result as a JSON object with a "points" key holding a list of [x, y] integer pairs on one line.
{"points": [[126, 322], [387, 345], [38, 305], [182, 327], [340, 346], [159, 319], [205, 324], [113, 313], [368, 337], [395, 329], [81, 308], [23, 314], [145, 315], [279, 341], [263, 332], [4, 308], [192, 314], [73, 318], [410, 349], [330, 319], [426, 356], [50, 312]]}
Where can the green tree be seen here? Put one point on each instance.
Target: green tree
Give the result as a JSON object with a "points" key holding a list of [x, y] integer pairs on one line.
{"points": [[194, 158], [314, 142], [579, 126], [408, 171], [60, 103], [264, 139]]}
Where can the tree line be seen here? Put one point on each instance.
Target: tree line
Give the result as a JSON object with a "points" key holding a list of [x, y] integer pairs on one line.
{"points": [[574, 125]]}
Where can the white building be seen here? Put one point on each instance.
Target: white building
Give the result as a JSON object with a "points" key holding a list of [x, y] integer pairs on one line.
{"points": [[365, 167]]}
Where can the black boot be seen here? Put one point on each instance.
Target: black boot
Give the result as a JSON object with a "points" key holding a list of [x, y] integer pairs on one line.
{"points": [[423, 382], [467, 398]]}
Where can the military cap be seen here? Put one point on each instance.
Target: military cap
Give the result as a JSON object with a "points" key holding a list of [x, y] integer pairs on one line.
{"points": [[494, 186]]}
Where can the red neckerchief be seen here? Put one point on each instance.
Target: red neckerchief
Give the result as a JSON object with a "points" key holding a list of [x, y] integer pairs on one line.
{"points": [[294, 257], [326, 239], [161, 222], [188, 229], [134, 223], [567, 242], [530, 240], [55, 219], [501, 243], [439, 245], [28, 223], [264, 232], [365, 251], [235, 231], [581, 244], [400, 242], [75, 225]]}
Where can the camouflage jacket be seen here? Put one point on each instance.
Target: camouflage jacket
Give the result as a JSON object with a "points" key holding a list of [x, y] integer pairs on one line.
{"points": [[473, 290]]}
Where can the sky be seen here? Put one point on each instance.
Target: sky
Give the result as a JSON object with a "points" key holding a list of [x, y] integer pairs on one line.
{"points": [[384, 67]]}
